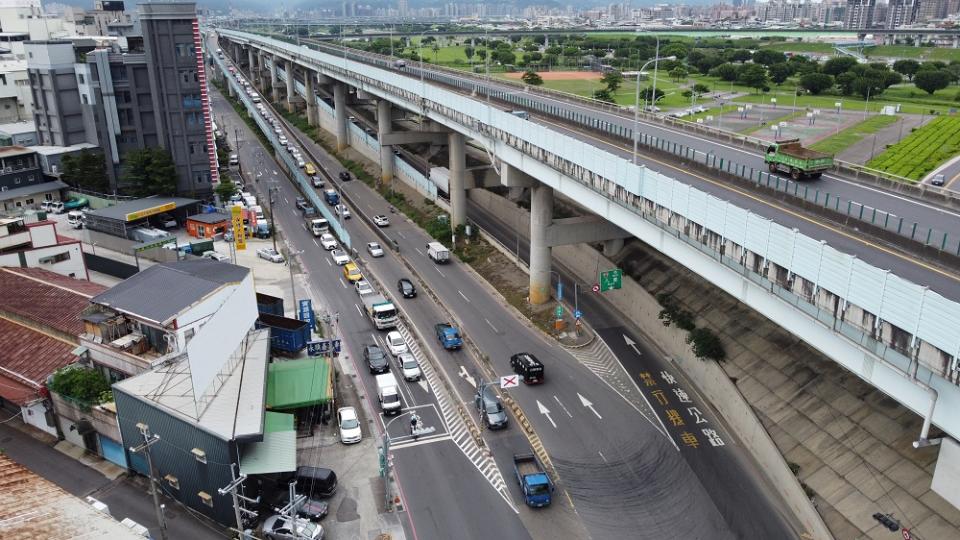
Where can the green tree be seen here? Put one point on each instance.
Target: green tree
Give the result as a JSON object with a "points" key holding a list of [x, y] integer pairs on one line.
{"points": [[436, 51], [737, 55], [674, 49], [86, 170], [506, 57], [753, 75], [225, 189], [701, 88], [815, 83], [779, 73], [469, 51], [532, 78], [647, 94], [930, 81], [838, 65], [612, 80], [726, 72], [482, 54], [149, 171], [678, 73], [845, 82], [83, 384], [769, 57], [603, 95]]}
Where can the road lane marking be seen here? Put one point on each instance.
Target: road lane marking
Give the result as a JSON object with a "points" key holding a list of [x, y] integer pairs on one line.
{"points": [[439, 272], [315, 242], [330, 264], [358, 309], [562, 406], [463, 295], [422, 440], [344, 285], [400, 234], [586, 403], [490, 324], [782, 209], [285, 200], [603, 457], [418, 251], [546, 412]]}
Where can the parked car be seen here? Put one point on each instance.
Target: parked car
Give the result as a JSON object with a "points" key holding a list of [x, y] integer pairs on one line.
{"points": [[364, 288], [381, 221], [167, 221], [328, 242], [375, 359], [342, 210], [409, 366], [270, 254], [374, 249], [340, 257], [349, 425], [234, 159], [311, 508], [395, 343], [345, 176], [280, 527], [406, 288], [215, 255]]}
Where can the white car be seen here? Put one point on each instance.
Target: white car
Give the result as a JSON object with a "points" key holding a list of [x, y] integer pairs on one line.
{"points": [[215, 255], [349, 425], [340, 257], [396, 344], [409, 366], [364, 288], [381, 221], [300, 162], [328, 242], [317, 181], [375, 249], [270, 254], [342, 210], [279, 527]]}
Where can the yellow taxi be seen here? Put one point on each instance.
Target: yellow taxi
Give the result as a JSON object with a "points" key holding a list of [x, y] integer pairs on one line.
{"points": [[310, 169], [352, 272]]}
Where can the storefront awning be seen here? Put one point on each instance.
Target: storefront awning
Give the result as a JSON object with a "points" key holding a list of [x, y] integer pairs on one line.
{"points": [[292, 384], [278, 450]]}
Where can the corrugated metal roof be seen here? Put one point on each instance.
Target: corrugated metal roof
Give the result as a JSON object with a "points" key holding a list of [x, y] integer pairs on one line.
{"points": [[120, 211], [234, 411], [31, 190], [163, 291], [29, 357], [209, 217], [32, 508], [299, 383], [278, 450], [45, 298]]}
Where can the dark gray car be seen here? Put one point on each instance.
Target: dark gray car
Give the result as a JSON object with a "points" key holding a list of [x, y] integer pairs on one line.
{"points": [[489, 407], [376, 360]]}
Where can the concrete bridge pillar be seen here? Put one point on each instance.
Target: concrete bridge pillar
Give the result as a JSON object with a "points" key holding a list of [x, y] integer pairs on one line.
{"points": [[458, 191], [274, 81], [252, 62], [340, 111], [311, 97], [291, 92], [384, 126], [541, 217], [261, 65], [612, 247]]}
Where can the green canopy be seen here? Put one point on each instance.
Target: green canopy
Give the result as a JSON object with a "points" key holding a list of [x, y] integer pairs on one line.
{"points": [[278, 450], [292, 384]]}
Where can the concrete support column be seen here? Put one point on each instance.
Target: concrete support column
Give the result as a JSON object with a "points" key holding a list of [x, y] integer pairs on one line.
{"points": [[340, 111], [274, 80], [384, 126], [291, 92], [311, 97], [541, 217], [458, 166], [251, 60], [612, 247]]}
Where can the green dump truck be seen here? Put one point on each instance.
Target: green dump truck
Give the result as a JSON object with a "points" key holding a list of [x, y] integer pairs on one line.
{"points": [[791, 157]]}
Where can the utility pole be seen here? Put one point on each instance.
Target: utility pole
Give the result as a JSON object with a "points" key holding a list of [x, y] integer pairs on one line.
{"points": [[148, 441], [291, 508], [236, 137], [237, 508]]}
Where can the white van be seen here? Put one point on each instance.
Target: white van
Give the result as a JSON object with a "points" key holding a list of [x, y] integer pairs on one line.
{"points": [[438, 253], [319, 226], [258, 211], [56, 207], [388, 393], [75, 219]]}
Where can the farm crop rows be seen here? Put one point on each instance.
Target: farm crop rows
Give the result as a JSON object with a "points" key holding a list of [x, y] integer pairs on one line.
{"points": [[922, 151]]}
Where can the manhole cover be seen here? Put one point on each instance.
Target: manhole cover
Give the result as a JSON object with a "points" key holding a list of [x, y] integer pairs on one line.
{"points": [[384, 536]]}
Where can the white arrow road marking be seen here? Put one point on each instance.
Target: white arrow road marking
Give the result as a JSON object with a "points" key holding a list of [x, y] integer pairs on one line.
{"points": [[562, 406], [586, 403], [546, 412], [423, 384], [463, 374], [632, 344]]}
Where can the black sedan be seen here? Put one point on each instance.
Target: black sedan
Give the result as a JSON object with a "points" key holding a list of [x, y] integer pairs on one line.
{"points": [[376, 360], [406, 288]]}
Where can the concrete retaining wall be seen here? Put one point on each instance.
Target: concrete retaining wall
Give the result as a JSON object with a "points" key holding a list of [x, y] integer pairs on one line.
{"points": [[643, 310]]}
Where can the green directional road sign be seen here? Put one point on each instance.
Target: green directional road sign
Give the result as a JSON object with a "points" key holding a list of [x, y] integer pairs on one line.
{"points": [[611, 279], [558, 312]]}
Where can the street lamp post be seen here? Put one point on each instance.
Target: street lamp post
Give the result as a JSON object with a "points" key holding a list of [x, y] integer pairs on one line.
{"points": [[236, 138], [293, 290], [636, 104]]}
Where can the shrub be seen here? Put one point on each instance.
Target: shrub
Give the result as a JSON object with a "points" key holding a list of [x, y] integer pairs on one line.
{"points": [[673, 314], [706, 344], [82, 384]]}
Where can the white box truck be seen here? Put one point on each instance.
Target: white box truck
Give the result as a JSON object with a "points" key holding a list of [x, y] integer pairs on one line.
{"points": [[381, 311], [319, 226], [438, 253], [388, 393]]}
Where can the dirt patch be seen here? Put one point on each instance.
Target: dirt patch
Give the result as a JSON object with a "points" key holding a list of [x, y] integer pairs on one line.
{"points": [[561, 75]]}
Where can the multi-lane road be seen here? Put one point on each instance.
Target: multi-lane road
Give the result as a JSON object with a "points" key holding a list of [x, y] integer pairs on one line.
{"points": [[620, 465]]}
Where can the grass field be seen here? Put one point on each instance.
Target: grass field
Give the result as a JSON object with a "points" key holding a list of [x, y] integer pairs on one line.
{"points": [[923, 150], [800, 46], [853, 134], [919, 53]]}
